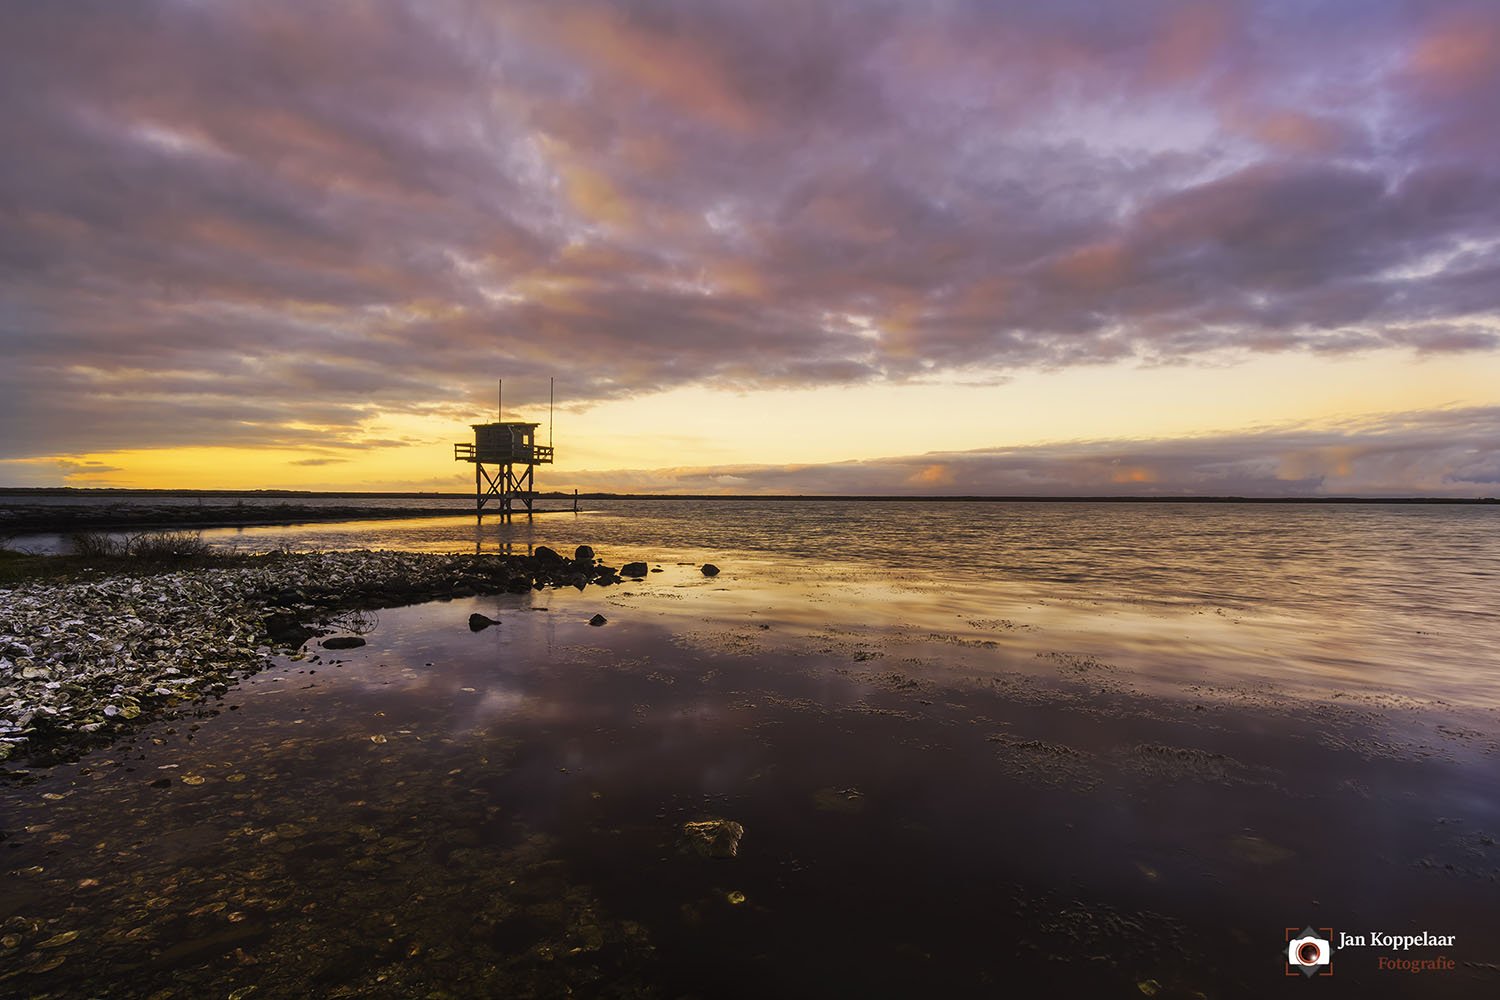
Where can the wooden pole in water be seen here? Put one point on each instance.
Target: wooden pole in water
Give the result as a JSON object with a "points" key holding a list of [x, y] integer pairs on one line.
{"points": [[551, 384]]}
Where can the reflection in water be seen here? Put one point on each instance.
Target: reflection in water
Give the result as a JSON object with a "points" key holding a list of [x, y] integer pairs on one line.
{"points": [[1314, 600], [1320, 598], [926, 812], [1104, 750]]}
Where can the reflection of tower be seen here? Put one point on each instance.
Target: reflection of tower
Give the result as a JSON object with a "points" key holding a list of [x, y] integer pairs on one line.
{"points": [[511, 447]]}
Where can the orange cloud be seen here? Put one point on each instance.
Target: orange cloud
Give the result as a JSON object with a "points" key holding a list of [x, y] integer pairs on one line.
{"points": [[1190, 39], [1097, 267], [593, 195], [1298, 132], [1459, 52], [676, 69], [648, 154], [1336, 461], [932, 475], [1134, 474], [738, 278]]}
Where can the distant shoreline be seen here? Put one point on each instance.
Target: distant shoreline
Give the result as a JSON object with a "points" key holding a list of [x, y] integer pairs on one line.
{"points": [[111, 493], [35, 520]]}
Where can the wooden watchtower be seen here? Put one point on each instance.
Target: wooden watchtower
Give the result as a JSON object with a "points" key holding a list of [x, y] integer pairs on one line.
{"points": [[511, 447]]}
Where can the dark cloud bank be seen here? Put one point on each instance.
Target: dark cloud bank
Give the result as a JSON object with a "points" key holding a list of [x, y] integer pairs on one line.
{"points": [[260, 223], [1451, 453]]}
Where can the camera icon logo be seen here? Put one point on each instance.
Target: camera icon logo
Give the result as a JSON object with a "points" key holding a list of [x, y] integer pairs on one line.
{"points": [[1309, 951]]}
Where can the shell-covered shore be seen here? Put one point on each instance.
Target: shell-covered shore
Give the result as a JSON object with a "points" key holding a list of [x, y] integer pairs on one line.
{"points": [[80, 659]]}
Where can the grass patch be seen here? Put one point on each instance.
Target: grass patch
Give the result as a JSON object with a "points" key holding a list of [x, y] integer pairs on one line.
{"points": [[147, 546], [95, 545], [167, 546], [97, 554]]}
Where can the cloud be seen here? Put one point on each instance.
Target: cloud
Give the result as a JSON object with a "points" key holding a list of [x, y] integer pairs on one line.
{"points": [[1443, 453], [260, 224], [51, 471]]}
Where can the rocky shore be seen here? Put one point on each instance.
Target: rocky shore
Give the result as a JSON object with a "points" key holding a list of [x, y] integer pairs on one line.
{"points": [[82, 659]]}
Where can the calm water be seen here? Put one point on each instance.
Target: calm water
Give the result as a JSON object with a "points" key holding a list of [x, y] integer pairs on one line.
{"points": [[1103, 750], [1394, 599]]}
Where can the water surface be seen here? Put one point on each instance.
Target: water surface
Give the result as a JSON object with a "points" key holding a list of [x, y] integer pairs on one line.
{"points": [[1100, 750]]}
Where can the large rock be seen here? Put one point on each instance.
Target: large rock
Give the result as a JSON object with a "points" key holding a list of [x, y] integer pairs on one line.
{"points": [[343, 642], [547, 555], [598, 620], [285, 630], [478, 622], [635, 569], [714, 838], [709, 569], [584, 553]]}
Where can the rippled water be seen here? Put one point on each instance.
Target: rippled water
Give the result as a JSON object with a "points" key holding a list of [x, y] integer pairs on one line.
{"points": [[1329, 559], [1395, 598], [1094, 749]]}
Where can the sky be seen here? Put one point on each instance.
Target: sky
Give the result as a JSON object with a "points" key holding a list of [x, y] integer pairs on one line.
{"points": [[783, 246]]}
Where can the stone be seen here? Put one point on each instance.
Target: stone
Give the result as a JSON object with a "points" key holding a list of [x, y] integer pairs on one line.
{"points": [[548, 555], [709, 569], [715, 837], [344, 642], [636, 569], [584, 553], [285, 630], [598, 620], [478, 622]]}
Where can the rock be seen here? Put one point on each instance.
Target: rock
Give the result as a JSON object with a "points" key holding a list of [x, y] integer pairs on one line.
{"points": [[478, 622], [547, 555], [285, 630], [635, 569], [343, 642], [714, 838], [709, 569], [598, 620], [584, 553]]}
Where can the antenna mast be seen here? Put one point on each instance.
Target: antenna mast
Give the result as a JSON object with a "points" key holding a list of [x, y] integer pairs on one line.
{"points": [[551, 385]]}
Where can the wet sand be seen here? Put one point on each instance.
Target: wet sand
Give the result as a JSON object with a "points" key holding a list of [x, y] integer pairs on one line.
{"points": [[940, 796]]}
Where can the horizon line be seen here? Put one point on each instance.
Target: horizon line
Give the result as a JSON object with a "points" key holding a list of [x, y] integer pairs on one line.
{"points": [[813, 497]]}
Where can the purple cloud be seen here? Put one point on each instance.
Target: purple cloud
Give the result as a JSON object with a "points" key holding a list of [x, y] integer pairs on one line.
{"points": [[228, 223], [1445, 453]]}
